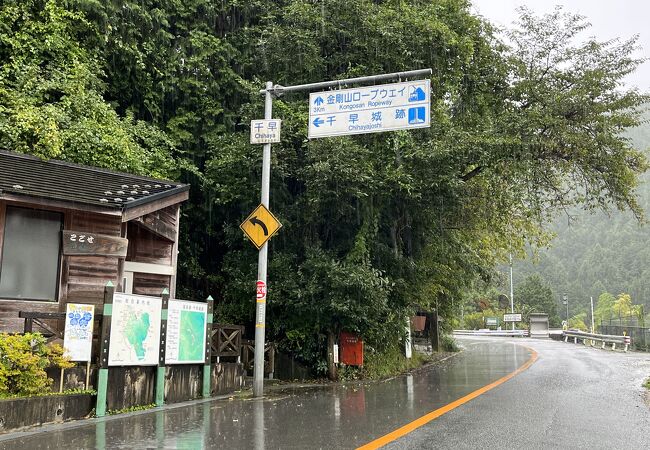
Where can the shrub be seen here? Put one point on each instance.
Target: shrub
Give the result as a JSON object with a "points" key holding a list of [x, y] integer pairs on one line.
{"points": [[448, 343], [23, 360]]}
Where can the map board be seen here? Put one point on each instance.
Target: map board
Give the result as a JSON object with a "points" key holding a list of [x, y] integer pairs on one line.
{"points": [[185, 332], [135, 330], [370, 109], [78, 335]]}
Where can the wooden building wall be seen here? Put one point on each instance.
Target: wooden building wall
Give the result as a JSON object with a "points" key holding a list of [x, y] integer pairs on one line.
{"points": [[152, 240], [83, 277]]}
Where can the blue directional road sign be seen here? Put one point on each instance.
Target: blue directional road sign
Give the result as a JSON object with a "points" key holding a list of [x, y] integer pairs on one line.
{"points": [[370, 109]]}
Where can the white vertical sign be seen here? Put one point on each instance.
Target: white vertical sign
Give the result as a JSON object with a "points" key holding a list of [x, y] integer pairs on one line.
{"points": [[78, 334]]}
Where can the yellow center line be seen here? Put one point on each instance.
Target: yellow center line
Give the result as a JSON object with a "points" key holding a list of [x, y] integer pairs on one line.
{"points": [[417, 423]]}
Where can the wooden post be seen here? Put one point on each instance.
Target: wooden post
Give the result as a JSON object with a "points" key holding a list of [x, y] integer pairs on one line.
{"points": [[87, 374], [332, 372], [104, 342], [434, 333], [271, 360], [160, 373], [207, 365]]}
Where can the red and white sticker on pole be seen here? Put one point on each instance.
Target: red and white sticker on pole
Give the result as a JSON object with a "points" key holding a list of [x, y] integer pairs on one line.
{"points": [[261, 291]]}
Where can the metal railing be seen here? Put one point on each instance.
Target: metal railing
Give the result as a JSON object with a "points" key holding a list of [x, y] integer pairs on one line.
{"points": [[506, 333], [593, 337]]}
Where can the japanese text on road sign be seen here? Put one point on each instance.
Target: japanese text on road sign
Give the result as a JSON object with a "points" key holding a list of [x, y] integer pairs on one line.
{"points": [[260, 226], [370, 109], [265, 131], [515, 317]]}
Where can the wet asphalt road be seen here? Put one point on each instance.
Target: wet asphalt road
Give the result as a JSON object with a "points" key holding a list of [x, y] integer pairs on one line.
{"points": [[572, 397]]}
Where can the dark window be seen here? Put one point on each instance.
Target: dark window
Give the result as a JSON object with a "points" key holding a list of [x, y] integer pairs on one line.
{"points": [[30, 254]]}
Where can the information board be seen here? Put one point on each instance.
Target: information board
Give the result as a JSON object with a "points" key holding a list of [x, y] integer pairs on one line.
{"points": [[78, 335], [185, 332], [370, 109], [135, 330]]}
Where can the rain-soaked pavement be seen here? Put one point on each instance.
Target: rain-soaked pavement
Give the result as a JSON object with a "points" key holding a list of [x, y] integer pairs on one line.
{"points": [[347, 416]]}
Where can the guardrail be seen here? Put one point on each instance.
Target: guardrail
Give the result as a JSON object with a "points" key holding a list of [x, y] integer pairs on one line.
{"points": [[604, 338], [506, 333]]}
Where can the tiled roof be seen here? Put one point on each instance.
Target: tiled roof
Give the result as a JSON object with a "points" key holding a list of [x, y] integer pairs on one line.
{"points": [[59, 180]]}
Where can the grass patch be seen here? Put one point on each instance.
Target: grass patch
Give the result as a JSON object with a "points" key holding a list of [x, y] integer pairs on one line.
{"points": [[131, 409], [647, 384], [378, 365], [49, 394]]}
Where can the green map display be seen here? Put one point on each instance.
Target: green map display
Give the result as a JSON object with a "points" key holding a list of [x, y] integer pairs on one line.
{"points": [[186, 328], [192, 336], [135, 330]]}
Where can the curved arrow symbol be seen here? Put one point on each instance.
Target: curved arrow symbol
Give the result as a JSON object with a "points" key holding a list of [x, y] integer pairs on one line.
{"points": [[255, 221]]}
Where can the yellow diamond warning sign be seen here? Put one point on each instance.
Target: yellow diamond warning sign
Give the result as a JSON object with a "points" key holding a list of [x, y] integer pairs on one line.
{"points": [[260, 225]]}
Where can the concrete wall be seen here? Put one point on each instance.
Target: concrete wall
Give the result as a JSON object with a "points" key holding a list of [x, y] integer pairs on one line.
{"points": [[24, 412], [134, 386]]}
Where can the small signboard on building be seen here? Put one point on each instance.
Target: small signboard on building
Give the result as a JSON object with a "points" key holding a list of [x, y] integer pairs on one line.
{"points": [[78, 334]]}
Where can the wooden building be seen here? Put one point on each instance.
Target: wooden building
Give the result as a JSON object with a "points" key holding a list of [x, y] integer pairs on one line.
{"points": [[66, 230]]}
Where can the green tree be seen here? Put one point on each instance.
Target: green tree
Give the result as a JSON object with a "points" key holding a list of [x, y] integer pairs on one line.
{"points": [[534, 295], [51, 102], [604, 307]]}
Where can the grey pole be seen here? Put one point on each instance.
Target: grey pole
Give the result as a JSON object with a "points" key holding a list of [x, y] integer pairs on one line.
{"points": [[512, 300], [260, 310], [279, 90], [593, 327]]}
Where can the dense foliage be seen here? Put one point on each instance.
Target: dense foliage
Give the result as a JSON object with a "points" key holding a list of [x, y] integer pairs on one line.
{"points": [[375, 225], [23, 360]]}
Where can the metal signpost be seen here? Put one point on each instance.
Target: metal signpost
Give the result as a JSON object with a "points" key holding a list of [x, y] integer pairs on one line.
{"points": [[376, 109], [512, 294]]}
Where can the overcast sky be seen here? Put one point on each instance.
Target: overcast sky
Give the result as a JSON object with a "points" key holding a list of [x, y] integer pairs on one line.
{"points": [[609, 19]]}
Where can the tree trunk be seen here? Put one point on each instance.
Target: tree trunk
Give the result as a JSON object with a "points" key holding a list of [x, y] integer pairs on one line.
{"points": [[331, 365]]}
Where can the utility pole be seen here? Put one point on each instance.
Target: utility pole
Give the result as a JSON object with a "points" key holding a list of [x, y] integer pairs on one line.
{"points": [[593, 327], [565, 300], [262, 259], [512, 300]]}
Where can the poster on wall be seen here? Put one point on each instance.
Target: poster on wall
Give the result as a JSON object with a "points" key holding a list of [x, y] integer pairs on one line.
{"points": [[185, 332], [135, 330], [78, 337]]}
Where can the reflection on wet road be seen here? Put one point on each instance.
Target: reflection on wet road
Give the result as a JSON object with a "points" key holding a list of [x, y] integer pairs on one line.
{"points": [[342, 416]]}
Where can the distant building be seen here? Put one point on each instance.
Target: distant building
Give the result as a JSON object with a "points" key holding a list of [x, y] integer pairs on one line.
{"points": [[66, 230]]}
